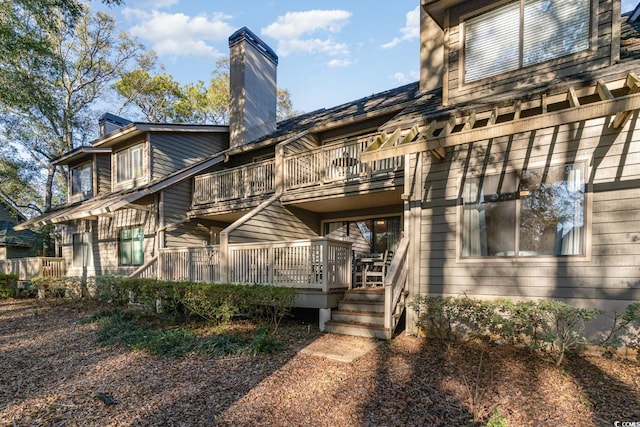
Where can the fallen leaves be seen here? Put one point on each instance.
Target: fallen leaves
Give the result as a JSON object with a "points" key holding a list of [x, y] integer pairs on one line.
{"points": [[52, 370]]}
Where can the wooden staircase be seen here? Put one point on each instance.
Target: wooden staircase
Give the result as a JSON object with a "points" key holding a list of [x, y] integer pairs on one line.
{"points": [[361, 313]]}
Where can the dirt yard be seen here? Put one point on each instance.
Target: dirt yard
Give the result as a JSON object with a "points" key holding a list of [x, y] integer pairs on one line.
{"points": [[51, 372]]}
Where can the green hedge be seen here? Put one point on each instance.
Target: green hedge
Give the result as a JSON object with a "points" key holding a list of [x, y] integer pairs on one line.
{"points": [[553, 327], [8, 285], [216, 303]]}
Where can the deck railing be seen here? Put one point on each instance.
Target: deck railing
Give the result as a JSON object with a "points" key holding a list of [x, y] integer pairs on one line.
{"points": [[339, 162], [195, 264], [236, 183], [28, 268], [319, 263]]}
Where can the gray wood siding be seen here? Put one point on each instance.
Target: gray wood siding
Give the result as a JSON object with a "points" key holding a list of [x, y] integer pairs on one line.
{"points": [[609, 276], [176, 200], [272, 224], [105, 232], [556, 69], [173, 151], [103, 173]]}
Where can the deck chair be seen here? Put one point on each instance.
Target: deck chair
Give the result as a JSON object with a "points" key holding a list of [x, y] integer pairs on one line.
{"points": [[374, 276]]}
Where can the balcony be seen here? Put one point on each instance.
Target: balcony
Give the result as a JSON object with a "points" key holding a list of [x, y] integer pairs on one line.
{"points": [[335, 166], [241, 183]]}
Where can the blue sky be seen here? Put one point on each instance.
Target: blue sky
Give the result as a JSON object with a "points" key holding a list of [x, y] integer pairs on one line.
{"points": [[330, 51]]}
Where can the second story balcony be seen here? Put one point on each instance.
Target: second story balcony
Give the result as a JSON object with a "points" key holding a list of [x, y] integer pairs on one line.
{"points": [[239, 184], [334, 167]]}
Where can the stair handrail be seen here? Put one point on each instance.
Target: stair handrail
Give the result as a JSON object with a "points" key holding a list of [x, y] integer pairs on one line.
{"points": [[147, 265], [394, 283]]}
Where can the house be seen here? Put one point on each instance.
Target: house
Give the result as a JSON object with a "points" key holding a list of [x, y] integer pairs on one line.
{"points": [[509, 170], [128, 193], [15, 244]]}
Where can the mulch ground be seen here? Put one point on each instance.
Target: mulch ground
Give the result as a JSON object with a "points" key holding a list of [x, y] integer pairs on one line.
{"points": [[51, 371]]}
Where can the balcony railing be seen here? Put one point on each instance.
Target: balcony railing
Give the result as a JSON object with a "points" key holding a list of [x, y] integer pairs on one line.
{"points": [[237, 183], [28, 268], [333, 163], [320, 264]]}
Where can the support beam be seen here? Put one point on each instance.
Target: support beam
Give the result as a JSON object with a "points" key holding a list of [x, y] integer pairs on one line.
{"points": [[633, 83], [627, 103]]}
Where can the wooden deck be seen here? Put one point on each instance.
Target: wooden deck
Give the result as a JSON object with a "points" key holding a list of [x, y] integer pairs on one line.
{"points": [[28, 268], [318, 264]]}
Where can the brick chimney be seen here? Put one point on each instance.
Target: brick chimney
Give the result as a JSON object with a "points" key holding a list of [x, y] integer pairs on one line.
{"points": [[253, 85]]}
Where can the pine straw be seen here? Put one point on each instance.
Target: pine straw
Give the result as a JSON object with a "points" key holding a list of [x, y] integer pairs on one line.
{"points": [[52, 369]]}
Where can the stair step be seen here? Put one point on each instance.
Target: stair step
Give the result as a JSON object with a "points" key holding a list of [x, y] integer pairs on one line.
{"points": [[351, 316], [358, 305], [358, 329], [365, 294]]}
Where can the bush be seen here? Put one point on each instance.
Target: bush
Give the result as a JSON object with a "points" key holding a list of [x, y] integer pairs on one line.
{"points": [[122, 328], [216, 303], [550, 326], [8, 285]]}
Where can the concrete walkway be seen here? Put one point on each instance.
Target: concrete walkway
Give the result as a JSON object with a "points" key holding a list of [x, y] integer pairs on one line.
{"points": [[341, 348]]}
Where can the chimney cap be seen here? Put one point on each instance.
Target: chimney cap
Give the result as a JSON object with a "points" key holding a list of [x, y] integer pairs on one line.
{"points": [[245, 34]]}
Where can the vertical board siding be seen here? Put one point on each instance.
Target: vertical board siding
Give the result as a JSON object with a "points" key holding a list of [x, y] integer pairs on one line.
{"points": [[103, 173], [173, 151], [610, 275]]}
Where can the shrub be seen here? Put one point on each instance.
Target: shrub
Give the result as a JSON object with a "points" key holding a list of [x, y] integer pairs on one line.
{"points": [[550, 326], [8, 284]]}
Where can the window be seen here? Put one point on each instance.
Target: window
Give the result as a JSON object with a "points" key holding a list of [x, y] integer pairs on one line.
{"points": [[537, 212], [132, 246], [130, 163], [524, 33], [368, 235], [82, 253], [81, 179]]}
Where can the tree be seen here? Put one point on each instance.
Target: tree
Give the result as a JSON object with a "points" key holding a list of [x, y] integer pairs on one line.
{"points": [[159, 98], [48, 112]]}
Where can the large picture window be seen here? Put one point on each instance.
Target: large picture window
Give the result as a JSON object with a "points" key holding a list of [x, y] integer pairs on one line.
{"points": [[132, 246], [538, 212], [524, 33], [81, 179], [130, 163], [368, 236]]}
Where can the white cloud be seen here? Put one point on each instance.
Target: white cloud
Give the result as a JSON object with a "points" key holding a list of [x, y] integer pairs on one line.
{"points": [[404, 78], [303, 32], [337, 63], [177, 34], [410, 31]]}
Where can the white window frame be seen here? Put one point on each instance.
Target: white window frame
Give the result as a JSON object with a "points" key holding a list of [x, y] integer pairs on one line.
{"points": [[126, 169]]}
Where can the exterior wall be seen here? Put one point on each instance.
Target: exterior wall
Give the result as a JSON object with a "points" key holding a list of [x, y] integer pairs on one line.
{"points": [[173, 151], [105, 232], [272, 224], [103, 173], [601, 54], [608, 277], [176, 200]]}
